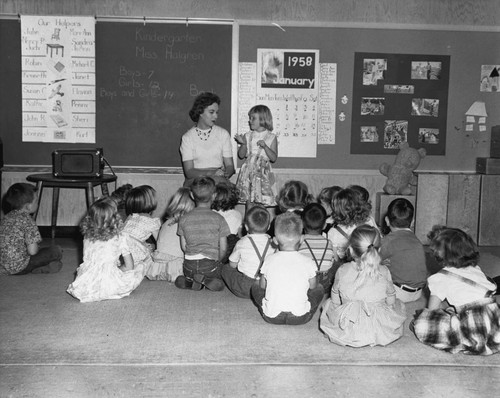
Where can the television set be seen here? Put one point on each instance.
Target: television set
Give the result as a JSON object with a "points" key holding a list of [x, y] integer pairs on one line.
{"points": [[78, 163]]}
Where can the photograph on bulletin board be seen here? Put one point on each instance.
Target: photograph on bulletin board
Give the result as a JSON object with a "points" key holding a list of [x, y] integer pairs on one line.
{"points": [[399, 98]]}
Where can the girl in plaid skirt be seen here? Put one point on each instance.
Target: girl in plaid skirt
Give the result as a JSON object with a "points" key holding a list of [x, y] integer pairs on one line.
{"points": [[471, 322]]}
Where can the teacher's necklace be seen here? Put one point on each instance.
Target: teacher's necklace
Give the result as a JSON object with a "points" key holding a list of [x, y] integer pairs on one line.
{"points": [[203, 134]]}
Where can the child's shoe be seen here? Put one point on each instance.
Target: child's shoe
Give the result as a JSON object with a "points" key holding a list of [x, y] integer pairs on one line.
{"points": [[214, 284], [184, 283]]}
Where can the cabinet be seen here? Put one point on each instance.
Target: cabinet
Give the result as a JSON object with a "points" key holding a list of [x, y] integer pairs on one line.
{"points": [[489, 211], [461, 200], [450, 199]]}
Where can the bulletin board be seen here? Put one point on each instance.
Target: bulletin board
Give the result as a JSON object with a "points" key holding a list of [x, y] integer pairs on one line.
{"points": [[399, 98], [463, 51]]}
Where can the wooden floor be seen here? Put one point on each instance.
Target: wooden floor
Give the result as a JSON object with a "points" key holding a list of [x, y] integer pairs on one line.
{"points": [[249, 380]]}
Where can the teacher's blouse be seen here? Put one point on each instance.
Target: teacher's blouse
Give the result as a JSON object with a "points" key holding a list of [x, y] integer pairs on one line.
{"points": [[206, 153]]}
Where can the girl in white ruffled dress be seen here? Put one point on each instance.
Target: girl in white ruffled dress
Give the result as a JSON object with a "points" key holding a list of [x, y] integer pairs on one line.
{"points": [[101, 275], [363, 309]]}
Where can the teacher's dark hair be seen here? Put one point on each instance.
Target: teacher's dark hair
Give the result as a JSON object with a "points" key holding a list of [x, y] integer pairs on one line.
{"points": [[201, 102]]}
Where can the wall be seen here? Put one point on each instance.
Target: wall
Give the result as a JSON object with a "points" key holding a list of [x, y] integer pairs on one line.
{"points": [[443, 14], [72, 205], [434, 12], [424, 15]]}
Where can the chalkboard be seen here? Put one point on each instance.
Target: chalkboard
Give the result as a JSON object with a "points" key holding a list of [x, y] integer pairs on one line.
{"points": [[147, 76], [10, 90], [467, 51]]}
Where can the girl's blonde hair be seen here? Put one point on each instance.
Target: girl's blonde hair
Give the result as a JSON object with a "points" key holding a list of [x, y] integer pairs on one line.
{"points": [[265, 116], [364, 244], [102, 221], [180, 203]]}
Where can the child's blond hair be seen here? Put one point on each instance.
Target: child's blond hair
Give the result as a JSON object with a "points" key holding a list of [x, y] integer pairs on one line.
{"points": [[180, 203], [265, 116], [288, 228], [364, 244], [102, 221]]}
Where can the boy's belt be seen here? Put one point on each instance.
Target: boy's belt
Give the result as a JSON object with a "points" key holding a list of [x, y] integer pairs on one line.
{"points": [[407, 288]]}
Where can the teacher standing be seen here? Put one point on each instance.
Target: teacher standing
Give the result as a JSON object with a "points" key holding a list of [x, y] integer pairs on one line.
{"points": [[206, 149]]}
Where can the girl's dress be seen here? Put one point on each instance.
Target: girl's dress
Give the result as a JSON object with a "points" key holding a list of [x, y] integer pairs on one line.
{"points": [[98, 277], [256, 181], [137, 229], [472, 324], [168, 257], [361, 317]]}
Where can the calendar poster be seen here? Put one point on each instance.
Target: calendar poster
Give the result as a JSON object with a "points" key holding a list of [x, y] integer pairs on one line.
{"points": [[58, 79], [288, 83]]}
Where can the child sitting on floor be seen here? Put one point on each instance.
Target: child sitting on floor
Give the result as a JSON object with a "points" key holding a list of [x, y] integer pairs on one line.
{"points": [[288, 292], [100, 276], [325, 199], [226, 199], [364, 201], [363, 308], [203, 235], [348, 213], [141, 225], [292, 197], [168, 256], [404, 251], [316, 246], [462, 314], [20, 237], [249, 253], [120, 197]]}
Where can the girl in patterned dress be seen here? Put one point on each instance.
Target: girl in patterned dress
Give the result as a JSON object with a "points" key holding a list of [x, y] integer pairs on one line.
{"points": [[141, 225], [259, 146], [363, 309], [470, 322], [101, 276]]}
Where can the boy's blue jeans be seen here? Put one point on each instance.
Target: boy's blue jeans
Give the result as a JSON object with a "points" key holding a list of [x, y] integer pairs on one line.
{"points": [[209, 268]]}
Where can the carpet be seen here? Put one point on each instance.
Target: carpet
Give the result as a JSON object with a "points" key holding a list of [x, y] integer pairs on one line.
{"points": [[159, 324]]}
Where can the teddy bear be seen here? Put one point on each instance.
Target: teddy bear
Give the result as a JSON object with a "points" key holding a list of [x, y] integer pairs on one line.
{"points": [[400, 177]]}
